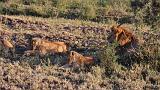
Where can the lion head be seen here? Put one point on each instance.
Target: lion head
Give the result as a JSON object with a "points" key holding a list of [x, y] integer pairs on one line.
{"points": [[121, 35], [36, 42]]}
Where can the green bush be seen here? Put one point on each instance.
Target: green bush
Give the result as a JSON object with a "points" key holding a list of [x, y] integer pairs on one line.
{"points": [[12, 9], [89, 12], [51, 12], [72, 9], [103, 3], [55, 2], [77, 9], [32, 12], [1, 7], [41, 11], [108, 59], [101, 15], [147, 11]]}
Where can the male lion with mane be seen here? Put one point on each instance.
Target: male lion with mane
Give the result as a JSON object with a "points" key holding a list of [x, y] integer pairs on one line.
{"points": [[127, 50], [122, 36]]}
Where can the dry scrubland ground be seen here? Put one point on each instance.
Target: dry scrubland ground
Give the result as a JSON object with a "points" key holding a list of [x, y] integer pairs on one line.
{"points": [[19, 72]]}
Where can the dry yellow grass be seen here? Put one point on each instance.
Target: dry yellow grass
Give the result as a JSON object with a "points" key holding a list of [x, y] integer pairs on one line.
{"points": [[28, 73]]}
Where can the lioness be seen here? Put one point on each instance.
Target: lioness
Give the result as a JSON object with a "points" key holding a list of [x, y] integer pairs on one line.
{"points": [[75, 57], [122, 36], [44, 46], [5, 42], [7, 46]]}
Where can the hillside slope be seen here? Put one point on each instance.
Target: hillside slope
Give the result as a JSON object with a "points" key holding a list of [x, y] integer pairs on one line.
{"points": [[27, 73]]}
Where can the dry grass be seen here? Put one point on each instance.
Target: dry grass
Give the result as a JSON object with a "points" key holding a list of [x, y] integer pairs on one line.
{"points": [[29, 73]]}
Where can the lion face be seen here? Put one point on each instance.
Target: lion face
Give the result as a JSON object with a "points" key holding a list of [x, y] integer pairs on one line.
{"points": [[36, 42], [112, 35], [72, 57]]}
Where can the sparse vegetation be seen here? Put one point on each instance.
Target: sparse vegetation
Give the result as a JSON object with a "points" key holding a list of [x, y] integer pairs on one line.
{"points": [[84, 25]]}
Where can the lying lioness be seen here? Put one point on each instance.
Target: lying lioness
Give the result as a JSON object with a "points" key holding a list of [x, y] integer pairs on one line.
{"points": [[44, 46], [122, 36], [7, 46], [79, 59], [5, 42]]}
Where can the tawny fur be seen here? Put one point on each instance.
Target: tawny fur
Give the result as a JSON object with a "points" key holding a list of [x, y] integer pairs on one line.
{"points": [[121, 35], [75, 57], [6, 43], [44, 46], [7, 46]]}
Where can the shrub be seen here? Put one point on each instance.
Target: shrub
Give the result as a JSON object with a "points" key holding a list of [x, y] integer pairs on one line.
{"points": [[36, 11], [101, 15], [103, 3], [74, 10], [12, 9], [77, 9], [54, 3], [108, 59], [89, 12], [51, 12], [147, 11], [32, 12], [1, 7]]}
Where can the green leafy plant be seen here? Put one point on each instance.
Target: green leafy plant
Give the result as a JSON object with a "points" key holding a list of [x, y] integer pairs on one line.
{"points": [[108, 58]]}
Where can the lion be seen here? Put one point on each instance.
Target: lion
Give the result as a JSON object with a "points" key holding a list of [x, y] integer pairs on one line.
{"points": [[6, 45], [45, 46], [122, 36], [128, 45], [75, 57]]}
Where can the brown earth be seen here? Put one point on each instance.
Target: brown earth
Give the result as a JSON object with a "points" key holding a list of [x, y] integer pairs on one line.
{"points": [[19, 72]]}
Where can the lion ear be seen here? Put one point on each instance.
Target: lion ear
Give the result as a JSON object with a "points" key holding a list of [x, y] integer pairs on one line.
{"points": [[72, 53], [119, 25]]}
